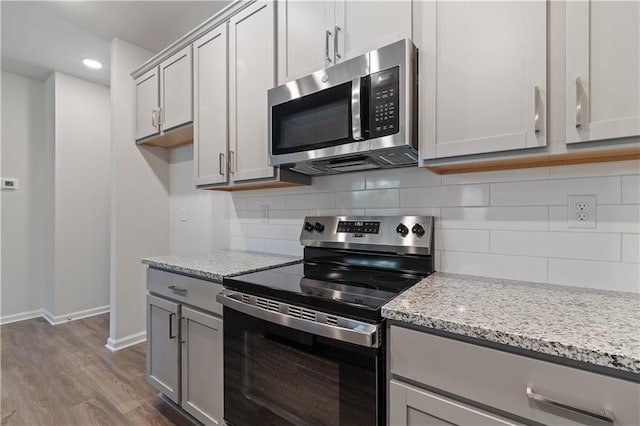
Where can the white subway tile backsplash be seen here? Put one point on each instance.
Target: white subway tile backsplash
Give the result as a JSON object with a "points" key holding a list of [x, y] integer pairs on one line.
{"points": [[497, 176], [286, 217], [238, 229], [248, 216], [631, 248], [267, 230], [445, 196], [400, 211], [616, 168], [602, 275], [287, 247], [368, 198], [567, 245], [631, 189], [293, 232], [500, 218], [462, 240], [323, 200], [341, 182], [491, 265], [248, 244], [273, 201], [336, 212], [405, 177], [609, 218], [555, 192]]}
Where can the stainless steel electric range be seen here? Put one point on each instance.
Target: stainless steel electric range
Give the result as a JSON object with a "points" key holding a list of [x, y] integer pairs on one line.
{"points": [[304, 344]]}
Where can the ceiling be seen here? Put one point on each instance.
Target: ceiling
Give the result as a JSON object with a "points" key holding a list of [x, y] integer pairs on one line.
{"points": [[42, 36]]}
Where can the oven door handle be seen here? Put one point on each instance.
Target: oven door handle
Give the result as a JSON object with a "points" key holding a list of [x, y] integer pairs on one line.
{"points": [[347, 330], [356, 109]]}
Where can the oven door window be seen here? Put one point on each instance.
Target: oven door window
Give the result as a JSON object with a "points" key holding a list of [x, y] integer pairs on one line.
{"points": [[314, 121], [278, 376]]}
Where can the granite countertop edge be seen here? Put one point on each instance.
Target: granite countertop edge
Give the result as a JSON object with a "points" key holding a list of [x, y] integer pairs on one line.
{"points": [[615, 361], [420, 317]]}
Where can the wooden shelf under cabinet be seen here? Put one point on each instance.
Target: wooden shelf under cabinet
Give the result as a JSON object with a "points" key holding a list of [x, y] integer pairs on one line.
{"points": [[601, 156], [180, 136]]}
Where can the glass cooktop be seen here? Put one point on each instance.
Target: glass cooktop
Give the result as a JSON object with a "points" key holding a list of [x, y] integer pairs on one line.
{"points": [[353, 291]]}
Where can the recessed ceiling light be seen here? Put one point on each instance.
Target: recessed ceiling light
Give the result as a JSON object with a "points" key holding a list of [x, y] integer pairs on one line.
{"points": [[92, 63]]}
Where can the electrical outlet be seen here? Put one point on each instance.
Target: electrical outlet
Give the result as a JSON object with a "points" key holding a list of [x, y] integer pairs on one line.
{"points": [[581, 211], [183, 214]]}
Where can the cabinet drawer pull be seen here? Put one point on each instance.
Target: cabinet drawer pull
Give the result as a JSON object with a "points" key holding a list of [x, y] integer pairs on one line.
{"points": [[154, 118], [536, 117], [221, 163], [335, 43], [176, 289], [604, 415], [160, 116], [579, 91], [327, 34], [232, 158]]}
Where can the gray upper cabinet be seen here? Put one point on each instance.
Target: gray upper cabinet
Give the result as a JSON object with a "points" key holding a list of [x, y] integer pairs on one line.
{"points": [[147, 99], [602, 70], [210, 136], [483, 76], [163, 364], [176, 90], [202, 366], [251, 74], [316, 34]]}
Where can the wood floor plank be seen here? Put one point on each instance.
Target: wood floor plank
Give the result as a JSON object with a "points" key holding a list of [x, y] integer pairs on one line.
{"points": [[63, 375]]}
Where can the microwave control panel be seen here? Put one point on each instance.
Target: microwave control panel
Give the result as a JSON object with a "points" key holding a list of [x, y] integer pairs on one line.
{"points": [[383, 103]]}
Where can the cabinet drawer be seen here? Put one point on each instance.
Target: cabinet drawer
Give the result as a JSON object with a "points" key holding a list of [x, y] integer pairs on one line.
{"points": [[191, 291], [502, 380]]}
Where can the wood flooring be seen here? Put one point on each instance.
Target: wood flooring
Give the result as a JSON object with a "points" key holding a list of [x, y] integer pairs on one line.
{"points": [[64, 375]]}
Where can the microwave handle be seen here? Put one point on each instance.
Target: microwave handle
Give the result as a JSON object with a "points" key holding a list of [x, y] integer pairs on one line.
{"points": [[356, 115]]}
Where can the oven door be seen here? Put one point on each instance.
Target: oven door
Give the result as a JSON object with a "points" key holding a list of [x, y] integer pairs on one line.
{"points": [[319, 116], [274, 375]]}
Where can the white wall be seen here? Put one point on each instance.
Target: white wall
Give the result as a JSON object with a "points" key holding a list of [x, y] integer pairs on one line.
{"points": [[24, 156], [82, 196], [139, 202], [207, 223], [508, 224]]}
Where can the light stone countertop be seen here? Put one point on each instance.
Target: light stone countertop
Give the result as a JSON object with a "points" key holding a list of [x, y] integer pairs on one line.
{"points": [[216, 265], [591, 326]]}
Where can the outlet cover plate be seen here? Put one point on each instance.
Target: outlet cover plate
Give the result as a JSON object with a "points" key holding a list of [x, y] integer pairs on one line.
{"points": [[581, 211]]}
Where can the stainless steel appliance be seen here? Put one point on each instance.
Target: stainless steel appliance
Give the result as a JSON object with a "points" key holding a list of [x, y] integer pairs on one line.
{"points": [[359, 114], [305, 344]]}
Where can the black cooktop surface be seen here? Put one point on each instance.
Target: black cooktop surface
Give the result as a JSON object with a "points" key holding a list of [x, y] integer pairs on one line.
{"points": [[356, 291]]}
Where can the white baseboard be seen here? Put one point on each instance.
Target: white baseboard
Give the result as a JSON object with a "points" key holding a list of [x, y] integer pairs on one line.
{"points": [[61, 319], [8, 319], [124, 342]]}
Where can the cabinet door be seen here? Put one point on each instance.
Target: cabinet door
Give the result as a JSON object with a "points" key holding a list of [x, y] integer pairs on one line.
{"points": [[362, 26], [602, 70], [147, 104], [163, 366], [305, 37], [483, 76], [176, 90], [210, 100], [411, 406], [251, 74], [202, 366]]}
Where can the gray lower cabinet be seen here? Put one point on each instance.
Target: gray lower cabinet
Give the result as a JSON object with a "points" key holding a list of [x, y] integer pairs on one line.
{"points": [[435, 379], [412, 406], [185, 343], [202, 377], [163, 368]]}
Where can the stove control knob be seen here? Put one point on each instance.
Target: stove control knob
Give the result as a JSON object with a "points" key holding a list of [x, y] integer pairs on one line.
{"points": [[418, 230], [318, 227], [308, 227], [402, 230]]}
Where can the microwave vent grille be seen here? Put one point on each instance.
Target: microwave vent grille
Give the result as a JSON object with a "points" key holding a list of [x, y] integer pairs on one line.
{"points": [[306, 169], [396, 159]]}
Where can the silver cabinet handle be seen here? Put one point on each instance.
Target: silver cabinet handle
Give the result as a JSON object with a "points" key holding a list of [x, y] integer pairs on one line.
{"points": [[171, 317], [356, 128], [335, 43], [579, 90], [536, 117], [154, 118], [177, 289], [604, 415], [160, 116], [221, 163], [327, 34], [232, 158]]}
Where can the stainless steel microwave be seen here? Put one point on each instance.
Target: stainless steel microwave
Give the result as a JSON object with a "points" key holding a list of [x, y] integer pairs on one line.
{"points": [[357, 115]]}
